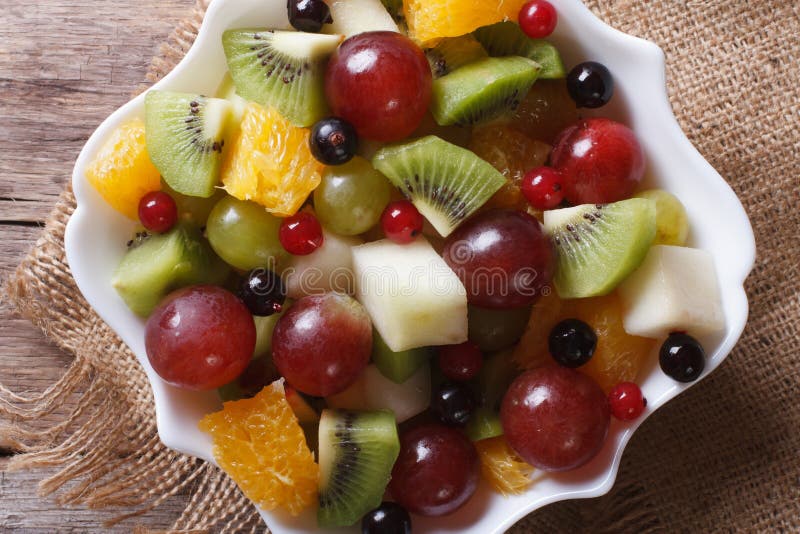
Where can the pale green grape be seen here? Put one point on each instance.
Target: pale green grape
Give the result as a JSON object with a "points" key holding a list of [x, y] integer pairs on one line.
{"points": [[193, 210], [495, 330], [245, 235], [672, 223], [351, 197]]}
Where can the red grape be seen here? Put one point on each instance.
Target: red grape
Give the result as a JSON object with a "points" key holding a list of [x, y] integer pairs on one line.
{"points": [[460, 362], [381, 83], [436, 471], [555, 418], [322, 343], [200, 337], [600, 160], [502, 257]]}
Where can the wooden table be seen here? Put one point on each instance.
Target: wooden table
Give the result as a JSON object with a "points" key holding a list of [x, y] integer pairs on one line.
{"points": [[64, 66]]}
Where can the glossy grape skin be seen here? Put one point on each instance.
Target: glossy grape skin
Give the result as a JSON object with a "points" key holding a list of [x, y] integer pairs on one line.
{"points": [[381, 83], [460, 362], [600, 161], [351, 197], [495, 330], [322, 343], [436, 471], [200, 338], [502, 257], [245, 236], [555, 418]]}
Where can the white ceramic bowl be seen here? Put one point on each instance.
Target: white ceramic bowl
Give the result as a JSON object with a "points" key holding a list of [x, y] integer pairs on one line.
{"points": [[96, 237]]}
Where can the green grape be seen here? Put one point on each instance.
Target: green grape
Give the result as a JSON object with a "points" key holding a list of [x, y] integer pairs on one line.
{"points": [[672, 223], [264, 329], [245, 235], [351, 197], [495, 330], [193, 210]]}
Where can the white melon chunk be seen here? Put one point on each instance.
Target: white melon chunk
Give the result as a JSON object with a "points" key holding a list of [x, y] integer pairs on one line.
{"points": [[329, 268], [413, 297], [351, 17], [373, 391], [675, 288]]}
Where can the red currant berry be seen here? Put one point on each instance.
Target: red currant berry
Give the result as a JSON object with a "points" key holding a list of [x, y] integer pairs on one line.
{"points": [[301, 234], [401, 221], [626, 401], [460, 362], [538, 19], [158, 212], [542, 188]]}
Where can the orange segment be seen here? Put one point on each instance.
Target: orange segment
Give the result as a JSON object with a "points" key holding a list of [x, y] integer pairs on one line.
{"points": [[532, 352], [122, 171], [506, 472], [431, 20], [260, 444], [270, 162]]}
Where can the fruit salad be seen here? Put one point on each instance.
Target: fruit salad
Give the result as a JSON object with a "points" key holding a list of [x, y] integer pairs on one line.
{"points": [[404, 256]]}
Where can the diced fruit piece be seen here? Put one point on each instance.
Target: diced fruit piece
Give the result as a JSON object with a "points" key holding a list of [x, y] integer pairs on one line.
{"points": [[572, 343], [158, 212], [397, 366], [483, 424], [351, 197], [505, 471], [245, 236], [445, 182], [430, 20], [281, 69], [672, 222], [200, 338], [453, 404], [555, 418], [373, 391], [532, 351], [308, 15], [185, 135], [301, 234], [384, 96], [626, 402], [495, 330], [300, 406], [682, 357], [351, 17], [502, 257], [402, 222], [600, 160], [436, 472], [356, 453], [388, 518], [329, 268], [412, 296], [270, 163], [599, 245], [322, 343], [482, 90], [545, 111], [258, 374], [507, 39], [460, 362], [590, 85], [227, 90], [453, 53], [675, 289], [333, 141], [122, 172], [263, 292], [260, 445], [165, 262], [538, 19]]}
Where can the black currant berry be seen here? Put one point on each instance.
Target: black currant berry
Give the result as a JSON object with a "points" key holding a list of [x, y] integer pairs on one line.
{"points": [[388, 518], [333, 141], [308, 15], [453, 404], [590, 85], [572, 343], [263, 292], [682, 358]]}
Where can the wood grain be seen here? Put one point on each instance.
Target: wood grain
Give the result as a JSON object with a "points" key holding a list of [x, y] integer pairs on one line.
{"points": [[64, 66]]}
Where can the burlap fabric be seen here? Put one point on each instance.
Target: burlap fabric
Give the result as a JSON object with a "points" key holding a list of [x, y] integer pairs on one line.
{"points": [[722, 457]]}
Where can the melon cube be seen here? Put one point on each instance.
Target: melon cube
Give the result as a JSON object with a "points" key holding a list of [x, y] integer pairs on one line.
{"points": [[413, 297], [675, 289]]}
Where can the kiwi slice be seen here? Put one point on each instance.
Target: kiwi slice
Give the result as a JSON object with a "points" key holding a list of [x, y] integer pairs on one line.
{"points": [[482, 90], [507, 39], [185, 135], [599, 245], [483, 424], [357, 451], [282, 69], [445, 182], [157, 264], [453, 53], [397, 366]]}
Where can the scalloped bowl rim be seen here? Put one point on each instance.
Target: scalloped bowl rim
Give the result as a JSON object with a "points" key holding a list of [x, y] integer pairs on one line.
{"points": [[93, 250]]}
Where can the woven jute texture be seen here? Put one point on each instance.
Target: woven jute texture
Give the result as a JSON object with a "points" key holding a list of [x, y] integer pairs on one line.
{"points": [[722, 457]]}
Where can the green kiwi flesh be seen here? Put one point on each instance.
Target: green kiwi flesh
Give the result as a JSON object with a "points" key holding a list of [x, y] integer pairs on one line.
{"points": [[185, 137], [453, 53], [397, 366], [599, 245], [282, 69], [482, 90], [483, 424], [445, 182], [507, 39], [357, 451], [164, 262]]}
